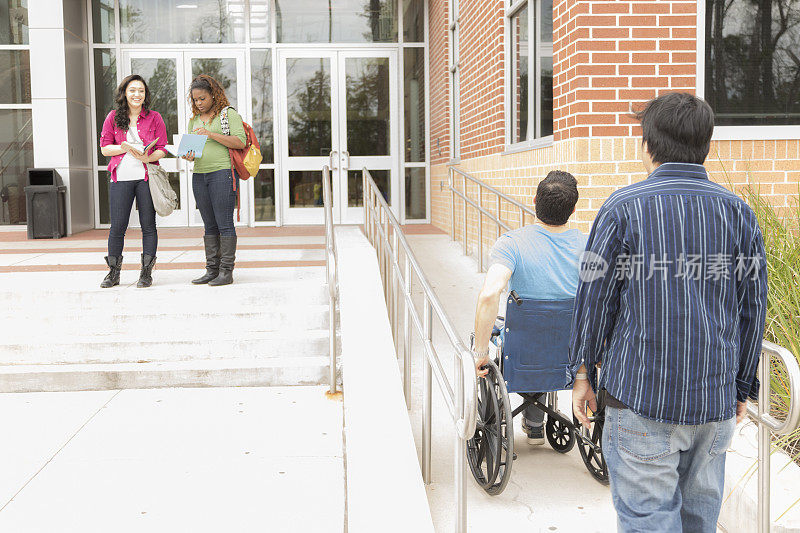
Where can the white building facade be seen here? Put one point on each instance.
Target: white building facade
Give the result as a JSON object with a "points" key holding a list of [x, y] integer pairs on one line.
{"points": [[339, 83]]}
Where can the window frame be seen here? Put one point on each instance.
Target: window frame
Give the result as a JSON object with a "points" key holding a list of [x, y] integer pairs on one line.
{"points": [[537, 49], [733, 133]]}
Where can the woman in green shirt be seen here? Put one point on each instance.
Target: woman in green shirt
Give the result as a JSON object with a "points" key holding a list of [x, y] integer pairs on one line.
{"points": [[212, 177]]}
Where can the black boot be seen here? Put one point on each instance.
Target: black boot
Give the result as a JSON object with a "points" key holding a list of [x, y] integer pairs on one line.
{"points": [[114, 266], [227, 247], [146, 275], [212, 259]]}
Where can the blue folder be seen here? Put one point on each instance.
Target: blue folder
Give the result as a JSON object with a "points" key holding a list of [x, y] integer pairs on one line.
{"points": [[192, 143]]}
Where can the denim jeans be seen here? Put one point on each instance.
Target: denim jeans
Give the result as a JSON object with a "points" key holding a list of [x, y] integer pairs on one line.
{"points": [[216, 200], [532, 416], [665, 477], [120, 199]]}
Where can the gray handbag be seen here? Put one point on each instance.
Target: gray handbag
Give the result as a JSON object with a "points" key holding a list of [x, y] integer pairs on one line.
{"points": [[164, 198]]}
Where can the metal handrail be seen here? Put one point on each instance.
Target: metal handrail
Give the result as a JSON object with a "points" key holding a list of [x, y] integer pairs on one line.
{"points": [[384, 233], [768, 424], [331, 272], [467, 201]]}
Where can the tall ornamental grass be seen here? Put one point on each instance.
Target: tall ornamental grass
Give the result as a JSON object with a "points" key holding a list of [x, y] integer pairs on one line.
{"points": [[781, 230]]}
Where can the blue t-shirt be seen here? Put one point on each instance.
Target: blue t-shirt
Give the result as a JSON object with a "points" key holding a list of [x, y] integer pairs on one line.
{"points": [[544, 264]]}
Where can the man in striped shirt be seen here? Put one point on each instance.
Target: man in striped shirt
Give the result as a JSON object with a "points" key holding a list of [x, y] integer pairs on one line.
{"points": [[672, 302]]}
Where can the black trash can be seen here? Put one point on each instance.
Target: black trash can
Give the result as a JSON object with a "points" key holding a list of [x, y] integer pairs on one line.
{"points": [[46, 203]]}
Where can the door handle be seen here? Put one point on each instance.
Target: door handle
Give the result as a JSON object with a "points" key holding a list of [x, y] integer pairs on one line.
{"points": [[345, 160], [332, 160]]}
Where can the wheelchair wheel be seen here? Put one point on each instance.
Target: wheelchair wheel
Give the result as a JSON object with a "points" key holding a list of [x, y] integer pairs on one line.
{"points": [[490, 451], [559, 435], [589, 445]]}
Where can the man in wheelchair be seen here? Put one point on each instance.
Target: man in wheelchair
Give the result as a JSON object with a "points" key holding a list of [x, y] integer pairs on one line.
{"points": [[539, 261]]}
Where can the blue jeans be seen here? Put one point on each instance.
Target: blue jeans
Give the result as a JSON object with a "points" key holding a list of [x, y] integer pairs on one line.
{"points": [[665, 477], [216, 200], [120, 200]]}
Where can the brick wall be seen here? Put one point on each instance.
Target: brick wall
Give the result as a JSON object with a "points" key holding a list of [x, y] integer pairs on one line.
{"points": [[609, 56], [481, 77], [601, 166]]}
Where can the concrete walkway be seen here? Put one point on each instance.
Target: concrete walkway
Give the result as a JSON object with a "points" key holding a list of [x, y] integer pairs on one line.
{"points": [[172, 460], [548, 491]]}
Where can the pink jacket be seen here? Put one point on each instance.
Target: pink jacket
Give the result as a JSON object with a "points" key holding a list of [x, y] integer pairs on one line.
{"points": [[150, 125]]}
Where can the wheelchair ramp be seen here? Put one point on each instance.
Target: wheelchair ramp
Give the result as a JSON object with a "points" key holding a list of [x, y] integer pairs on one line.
{"points": [[62, 332], [547, 491]]}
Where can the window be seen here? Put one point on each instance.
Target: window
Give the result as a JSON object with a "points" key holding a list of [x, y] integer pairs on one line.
{"points": [[530, 93], [455, 90], [343, 21], [414, 112], [16, 129], [752, 63]]}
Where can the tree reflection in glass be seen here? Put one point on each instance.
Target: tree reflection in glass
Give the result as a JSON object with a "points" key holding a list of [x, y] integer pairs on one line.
{"points": [[163, 84], [261, 80], [221, 69], [752, 71], [367, 82], [201, 21], [308, 82], [336, 21]]}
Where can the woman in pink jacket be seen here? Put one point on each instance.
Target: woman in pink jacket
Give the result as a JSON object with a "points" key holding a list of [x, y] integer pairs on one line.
{"points": [[127, 130]]}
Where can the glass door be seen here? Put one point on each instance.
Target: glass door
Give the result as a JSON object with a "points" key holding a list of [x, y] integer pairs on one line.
{"points": [[160, 71], [228, 68], [169, 75], [308, 114], [369, 132], [337, 109]]}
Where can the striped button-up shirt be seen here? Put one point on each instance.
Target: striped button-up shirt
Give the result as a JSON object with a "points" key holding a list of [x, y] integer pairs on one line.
{"points": [[672, 298]]}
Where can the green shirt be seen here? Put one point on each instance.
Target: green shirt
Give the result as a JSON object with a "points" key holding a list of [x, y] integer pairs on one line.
{"points": [[215, 155]]}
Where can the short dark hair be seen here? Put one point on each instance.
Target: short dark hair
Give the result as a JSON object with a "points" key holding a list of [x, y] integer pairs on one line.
{"points": [[556, 197], [677, 128]]}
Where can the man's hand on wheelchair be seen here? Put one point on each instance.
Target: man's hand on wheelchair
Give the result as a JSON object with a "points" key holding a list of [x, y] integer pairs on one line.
{"points": [[482, 365], [583, 395]]}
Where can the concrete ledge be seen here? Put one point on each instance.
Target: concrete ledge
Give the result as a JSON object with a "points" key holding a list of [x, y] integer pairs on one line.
{"points": [[197, 373], [384, 484], [740, 504]]}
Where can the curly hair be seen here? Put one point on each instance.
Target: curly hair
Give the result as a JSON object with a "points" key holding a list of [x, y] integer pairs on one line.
{"points": [[121, 117], [212, 86]]}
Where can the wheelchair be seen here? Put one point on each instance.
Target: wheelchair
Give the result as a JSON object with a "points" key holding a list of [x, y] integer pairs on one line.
{"points": [[532, 356]]}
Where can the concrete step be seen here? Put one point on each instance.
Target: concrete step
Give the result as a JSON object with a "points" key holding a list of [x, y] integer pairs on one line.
{"points": [[141, 346], [164, 322], [231, 298], [239, 372]]}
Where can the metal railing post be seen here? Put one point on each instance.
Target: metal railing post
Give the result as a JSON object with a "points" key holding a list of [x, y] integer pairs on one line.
{"points": [[466, 226], [521, 217], [452, 183], [764, 444], [427, 324], [331, 274], [498, 217], [395, 294], [385, 254], [480, 229], [460, 452], [768, 425], [407, 335]]}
